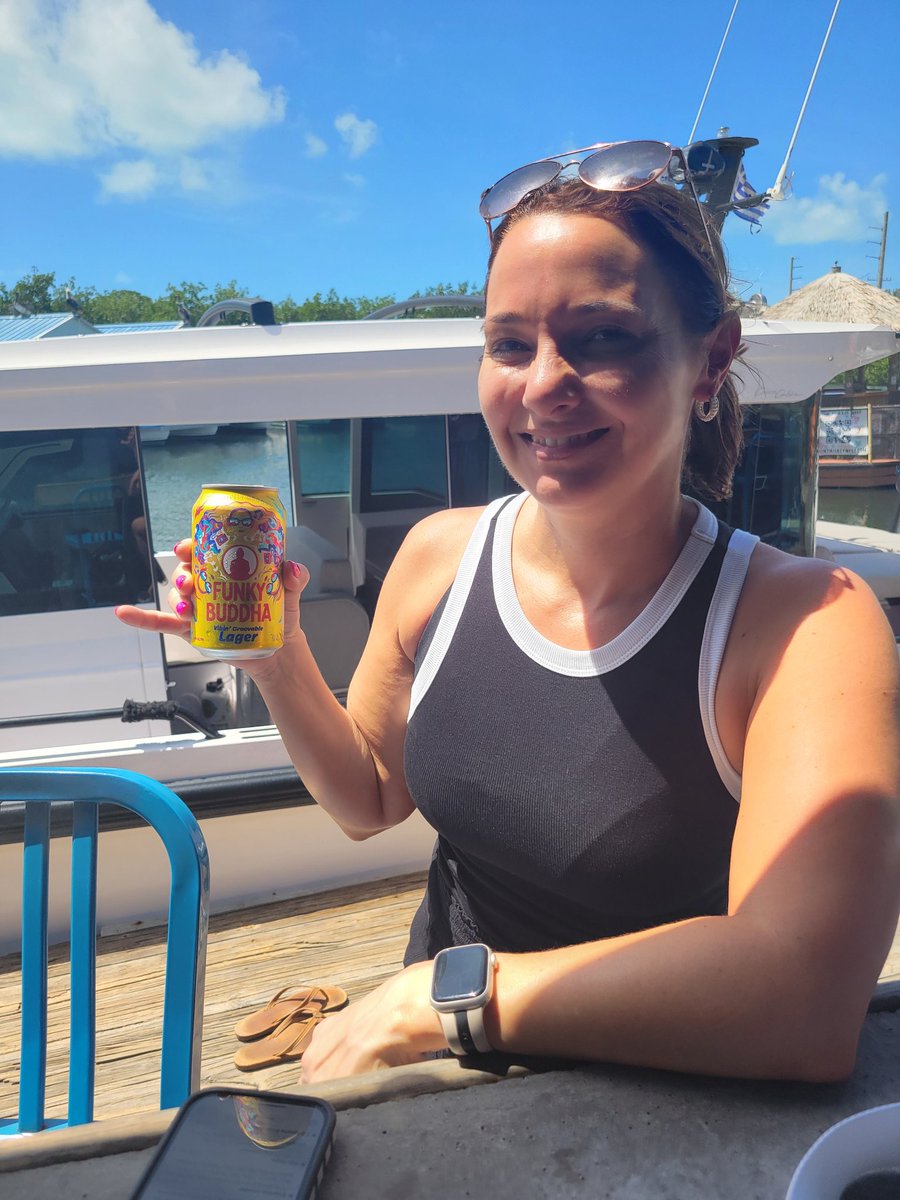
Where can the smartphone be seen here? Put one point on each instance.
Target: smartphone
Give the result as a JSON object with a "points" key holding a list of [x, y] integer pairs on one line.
{"points": [[238, 1144]]}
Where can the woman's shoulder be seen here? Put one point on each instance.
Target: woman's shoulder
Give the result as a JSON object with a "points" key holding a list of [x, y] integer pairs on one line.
{"points": [[812, 606], [804, 583], [437, 542], [424, 568]]}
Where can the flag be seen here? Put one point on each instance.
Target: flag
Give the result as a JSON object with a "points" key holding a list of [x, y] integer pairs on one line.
{"points": [[742, 193]]}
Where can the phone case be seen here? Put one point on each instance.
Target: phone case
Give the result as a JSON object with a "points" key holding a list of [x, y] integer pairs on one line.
{"points": [[323, 1148]]}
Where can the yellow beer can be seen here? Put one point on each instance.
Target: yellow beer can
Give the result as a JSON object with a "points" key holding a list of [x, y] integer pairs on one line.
{"points": [[237, 555]]}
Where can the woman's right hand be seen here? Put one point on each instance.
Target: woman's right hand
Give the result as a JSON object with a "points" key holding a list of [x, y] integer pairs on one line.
{"points": [[181, 599]]}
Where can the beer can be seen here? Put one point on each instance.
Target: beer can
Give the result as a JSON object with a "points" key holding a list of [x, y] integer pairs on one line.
{"points": [[238, 551]]}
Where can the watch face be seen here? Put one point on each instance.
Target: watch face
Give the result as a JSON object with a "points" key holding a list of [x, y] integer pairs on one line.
{"points": [[460, 973]]}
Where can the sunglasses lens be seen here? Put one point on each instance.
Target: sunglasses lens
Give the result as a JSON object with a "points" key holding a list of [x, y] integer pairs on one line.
{"points": [[508, 191], [626, 166]]}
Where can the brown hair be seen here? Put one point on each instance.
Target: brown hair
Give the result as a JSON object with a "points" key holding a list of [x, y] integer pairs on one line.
{"points": [[666, 221]]}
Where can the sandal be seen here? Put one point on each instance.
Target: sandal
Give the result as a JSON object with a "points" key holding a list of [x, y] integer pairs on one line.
{"points": [[286, 1044], [315, 998]]}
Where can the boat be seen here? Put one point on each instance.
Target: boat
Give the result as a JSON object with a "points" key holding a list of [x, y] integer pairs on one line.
{"points": [[192, 431], [400, 396], [154, 434], [850, 439], [850, 472]]}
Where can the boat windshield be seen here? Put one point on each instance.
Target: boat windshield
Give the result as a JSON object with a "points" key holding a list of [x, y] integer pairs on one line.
{"points": [[73, 529], [774, 493]]}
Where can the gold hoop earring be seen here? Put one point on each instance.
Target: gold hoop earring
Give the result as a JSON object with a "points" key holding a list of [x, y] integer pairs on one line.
{"points": [[707, 410]]}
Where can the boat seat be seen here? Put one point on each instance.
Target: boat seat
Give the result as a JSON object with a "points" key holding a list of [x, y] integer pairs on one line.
{"points": [[83, 790], [329, 567]]}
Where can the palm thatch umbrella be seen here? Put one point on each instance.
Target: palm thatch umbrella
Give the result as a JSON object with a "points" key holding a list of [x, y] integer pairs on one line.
{"points": [[838, 297]]}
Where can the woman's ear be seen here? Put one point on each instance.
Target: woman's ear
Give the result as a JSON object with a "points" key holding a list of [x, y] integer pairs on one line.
{"points": [[721, 345]]}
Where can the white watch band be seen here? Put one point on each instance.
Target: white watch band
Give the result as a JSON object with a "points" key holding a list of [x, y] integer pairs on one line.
{"points": [[465, 1032]]}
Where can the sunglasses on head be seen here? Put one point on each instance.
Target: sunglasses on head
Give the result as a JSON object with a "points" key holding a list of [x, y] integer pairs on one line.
{"points": [[608, 167]]}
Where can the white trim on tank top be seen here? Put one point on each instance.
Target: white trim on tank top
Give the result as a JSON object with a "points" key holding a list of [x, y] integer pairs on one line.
{"points": [[585, 663], [715, 634], [456, 602]]}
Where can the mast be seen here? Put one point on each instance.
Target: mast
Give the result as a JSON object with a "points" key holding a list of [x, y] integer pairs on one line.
{"points": [[776, 191]]}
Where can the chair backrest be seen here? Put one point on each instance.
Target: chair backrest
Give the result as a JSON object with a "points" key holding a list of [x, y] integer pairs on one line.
{"points": [[85, 789]]}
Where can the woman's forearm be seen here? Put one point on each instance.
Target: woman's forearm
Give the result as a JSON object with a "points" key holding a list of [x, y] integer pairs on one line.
{"points": [[713, 995], [325, 744]]}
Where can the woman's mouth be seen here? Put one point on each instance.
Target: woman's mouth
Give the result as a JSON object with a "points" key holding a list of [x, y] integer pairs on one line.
{"points": [[547, 445]]}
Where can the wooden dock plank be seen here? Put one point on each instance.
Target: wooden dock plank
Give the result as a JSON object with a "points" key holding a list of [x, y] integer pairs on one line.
{"points": [[354, 936]]}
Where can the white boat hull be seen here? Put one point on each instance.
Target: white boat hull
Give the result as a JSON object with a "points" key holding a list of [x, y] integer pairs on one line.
{"points": [[255, 858]]}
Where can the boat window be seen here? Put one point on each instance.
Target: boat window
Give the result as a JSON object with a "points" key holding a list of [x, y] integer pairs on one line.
{"points": [[323, 448], [180, 459], [404, 463], [476, 473], [774, 492], [73, 529]]}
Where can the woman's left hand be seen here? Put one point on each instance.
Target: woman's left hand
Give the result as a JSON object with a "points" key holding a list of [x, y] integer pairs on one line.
{"points": [[395, 1024]]}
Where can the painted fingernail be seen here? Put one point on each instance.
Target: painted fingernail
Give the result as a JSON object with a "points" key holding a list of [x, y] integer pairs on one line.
{"points": [[175, 547], [295, 570], [179, 582], [182, 607]]}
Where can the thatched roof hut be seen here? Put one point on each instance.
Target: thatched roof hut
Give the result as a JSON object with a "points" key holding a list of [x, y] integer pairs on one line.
{"points": [[838, 297]]}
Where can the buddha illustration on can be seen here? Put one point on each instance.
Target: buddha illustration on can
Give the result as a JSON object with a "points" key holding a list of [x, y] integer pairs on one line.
{"points": [[237, 556]]}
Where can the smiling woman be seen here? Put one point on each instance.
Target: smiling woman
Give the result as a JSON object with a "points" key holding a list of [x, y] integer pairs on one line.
{"points": [[589, 376], [615, 710]]}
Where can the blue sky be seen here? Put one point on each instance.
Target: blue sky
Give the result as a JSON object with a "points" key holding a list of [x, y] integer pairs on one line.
{"points": [[297, 146]]}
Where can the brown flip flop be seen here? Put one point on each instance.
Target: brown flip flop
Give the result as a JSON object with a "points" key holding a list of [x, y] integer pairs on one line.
{"points": [[286, 1044], [314, 998]]}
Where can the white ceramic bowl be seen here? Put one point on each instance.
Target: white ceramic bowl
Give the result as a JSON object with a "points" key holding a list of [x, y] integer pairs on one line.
{"points": [[867, 1141]]}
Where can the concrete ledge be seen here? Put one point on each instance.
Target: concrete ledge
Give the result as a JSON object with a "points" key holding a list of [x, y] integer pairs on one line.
{"points": [[886, 997], [599, 1130], [118, 1135]]}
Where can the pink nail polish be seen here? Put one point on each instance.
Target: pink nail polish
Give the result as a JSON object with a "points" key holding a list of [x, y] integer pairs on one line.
{"points": [[175, 547], [179, 582], [182, 607], [295, 570]]}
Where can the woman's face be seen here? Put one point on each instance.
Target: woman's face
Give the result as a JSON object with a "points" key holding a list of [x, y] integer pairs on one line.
{"points": [[588, 376]]}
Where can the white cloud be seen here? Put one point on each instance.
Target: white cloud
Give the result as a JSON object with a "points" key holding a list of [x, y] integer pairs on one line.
{"points": [[193, 175], [133, 180], [357, 181], [315, 147], [841, 211], [358, 136], [81, 77]]}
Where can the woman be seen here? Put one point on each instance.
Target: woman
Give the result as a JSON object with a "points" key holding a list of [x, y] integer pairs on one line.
{"points": [[545, 715]]}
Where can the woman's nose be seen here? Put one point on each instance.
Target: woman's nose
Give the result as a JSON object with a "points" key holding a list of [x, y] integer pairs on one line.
{"points": [[552, 382]]}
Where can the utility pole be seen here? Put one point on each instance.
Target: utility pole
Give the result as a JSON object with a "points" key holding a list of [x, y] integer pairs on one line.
{"points": [[794, 263], [882, 244], [883, 248]]}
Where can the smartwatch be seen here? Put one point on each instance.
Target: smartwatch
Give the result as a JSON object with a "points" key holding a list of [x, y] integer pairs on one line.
{"points": [[462, 983]]}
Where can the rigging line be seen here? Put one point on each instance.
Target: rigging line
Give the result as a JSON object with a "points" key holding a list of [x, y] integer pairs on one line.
{"points": [[712, 73], [776, 191]]}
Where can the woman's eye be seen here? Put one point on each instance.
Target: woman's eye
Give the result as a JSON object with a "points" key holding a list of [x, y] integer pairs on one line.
{"points": [[611, 340], [504, 348]]}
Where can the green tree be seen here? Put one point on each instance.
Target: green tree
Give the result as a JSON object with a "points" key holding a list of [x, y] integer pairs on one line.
{"points": [[118, 307], [447, 289], [329, 307], [40, 292]]}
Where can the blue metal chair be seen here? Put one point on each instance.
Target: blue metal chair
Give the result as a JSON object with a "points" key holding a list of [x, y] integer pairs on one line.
{"points": [[85, 789]]}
